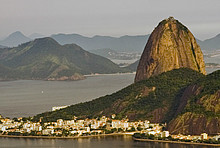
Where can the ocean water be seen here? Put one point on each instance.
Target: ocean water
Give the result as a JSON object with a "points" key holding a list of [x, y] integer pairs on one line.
{"points": [[29, 97], [101, 142], [214, 59]]}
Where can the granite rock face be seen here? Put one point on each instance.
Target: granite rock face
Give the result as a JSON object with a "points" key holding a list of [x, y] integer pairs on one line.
{"points": [[170, 46]]}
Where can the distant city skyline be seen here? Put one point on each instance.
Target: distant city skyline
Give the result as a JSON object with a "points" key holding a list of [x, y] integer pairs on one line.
{"points": [[107, 18]]}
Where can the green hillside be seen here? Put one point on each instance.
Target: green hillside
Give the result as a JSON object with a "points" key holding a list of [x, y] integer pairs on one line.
{"points": [[6, 73], [209, 86], [44, 58], [200, 109], [153, 99]]}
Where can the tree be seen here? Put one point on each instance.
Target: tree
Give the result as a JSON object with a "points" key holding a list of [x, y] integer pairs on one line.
{"points": [[139, 128]]}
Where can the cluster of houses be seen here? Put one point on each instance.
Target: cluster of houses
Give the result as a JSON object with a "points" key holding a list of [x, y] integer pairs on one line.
{"points": [[77, 127], [203, 136], [88, 127]]}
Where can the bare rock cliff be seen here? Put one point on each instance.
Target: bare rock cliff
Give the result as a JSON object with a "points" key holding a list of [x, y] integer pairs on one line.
{"points": [[170, 46]]}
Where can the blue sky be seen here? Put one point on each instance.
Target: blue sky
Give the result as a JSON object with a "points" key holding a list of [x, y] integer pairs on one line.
{"points": [[107, 17]]}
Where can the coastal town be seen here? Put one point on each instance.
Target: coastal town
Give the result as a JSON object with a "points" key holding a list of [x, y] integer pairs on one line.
{"points": [[94, 127], [76, 127]]}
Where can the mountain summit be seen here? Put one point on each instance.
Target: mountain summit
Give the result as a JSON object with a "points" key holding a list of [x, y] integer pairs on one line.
{"points": [[170, 46], [15, 39]]}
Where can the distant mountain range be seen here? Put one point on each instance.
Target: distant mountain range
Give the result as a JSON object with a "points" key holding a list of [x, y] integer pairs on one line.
{"points": [[44, 58], [2, 46], [210, 44], [124, 43], [15, 39], [18, 38]]}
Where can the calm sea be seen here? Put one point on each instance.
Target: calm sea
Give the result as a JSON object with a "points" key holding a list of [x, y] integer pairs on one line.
{"points": [[103, 142], [30, 97]]}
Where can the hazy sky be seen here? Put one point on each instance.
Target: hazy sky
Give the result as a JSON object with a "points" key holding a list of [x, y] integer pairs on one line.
{"points": [[107, 17]]}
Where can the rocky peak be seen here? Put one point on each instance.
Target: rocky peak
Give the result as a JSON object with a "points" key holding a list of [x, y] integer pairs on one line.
{"points": [[170, 46], [171, 18]]}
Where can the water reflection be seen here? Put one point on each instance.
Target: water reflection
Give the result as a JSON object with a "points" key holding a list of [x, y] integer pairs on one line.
{"points": [[95, 142]]}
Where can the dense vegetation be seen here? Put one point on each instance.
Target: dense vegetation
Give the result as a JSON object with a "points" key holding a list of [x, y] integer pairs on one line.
{"points": [[207, 101], [200, 108], [45, 58], [137, 101]]}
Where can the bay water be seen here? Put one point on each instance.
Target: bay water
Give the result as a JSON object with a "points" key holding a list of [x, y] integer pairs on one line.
{"points": [[25, 98], [95, 142]]}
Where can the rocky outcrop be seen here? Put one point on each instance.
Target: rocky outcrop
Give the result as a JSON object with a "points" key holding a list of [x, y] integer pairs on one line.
{"points": [[194, 124], [199, 108], [190, 91], [170, 46]]}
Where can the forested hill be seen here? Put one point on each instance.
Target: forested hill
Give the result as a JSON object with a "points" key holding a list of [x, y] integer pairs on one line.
{"points": [[200, 107], [46, 59], [150, 99]]}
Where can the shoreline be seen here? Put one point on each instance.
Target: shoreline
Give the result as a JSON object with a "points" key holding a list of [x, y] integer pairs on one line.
{"points": [[88, 75], [175, 142], [111, 74], [54, 137]]}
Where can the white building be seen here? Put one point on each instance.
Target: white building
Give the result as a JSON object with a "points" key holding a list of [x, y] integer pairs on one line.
{"points": [[146, 124], [60, 122], [116, 124], [216, 137], [87, 129], [58, 107], [95, 125], [4, 128], [47, 131], [165, 134], [125, 124], [204, 136], [69, 122]]}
